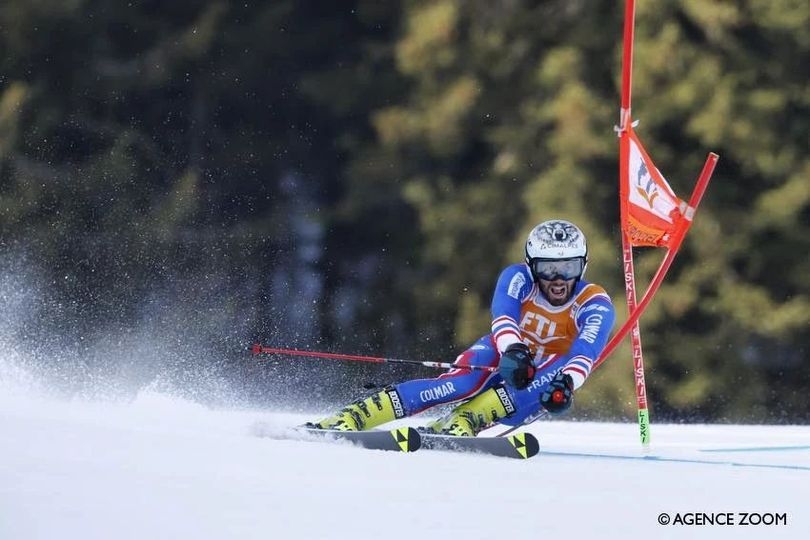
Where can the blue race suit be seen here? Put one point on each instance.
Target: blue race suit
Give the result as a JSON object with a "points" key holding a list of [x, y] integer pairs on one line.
{"points": [[569, 338]]}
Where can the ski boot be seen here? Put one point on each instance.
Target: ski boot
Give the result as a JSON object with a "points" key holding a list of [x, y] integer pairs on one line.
{"points": [[477, 414], [367, 413]]}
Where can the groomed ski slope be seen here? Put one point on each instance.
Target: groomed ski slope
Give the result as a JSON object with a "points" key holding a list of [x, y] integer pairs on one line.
{"points": [[160, 467]]}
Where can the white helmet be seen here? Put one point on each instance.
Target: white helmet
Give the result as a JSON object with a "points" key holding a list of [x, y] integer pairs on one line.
{"points": [[556, 248]]}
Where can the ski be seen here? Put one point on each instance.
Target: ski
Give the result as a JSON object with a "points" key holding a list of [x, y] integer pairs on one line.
{"points": [[518, 446], [404, 439], [408, 439]]}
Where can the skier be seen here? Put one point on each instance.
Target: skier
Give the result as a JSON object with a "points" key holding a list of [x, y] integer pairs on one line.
{"points": [[549, 326]]}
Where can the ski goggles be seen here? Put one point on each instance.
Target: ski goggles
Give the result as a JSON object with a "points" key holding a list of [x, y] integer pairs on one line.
{"points": [[550, 269]]}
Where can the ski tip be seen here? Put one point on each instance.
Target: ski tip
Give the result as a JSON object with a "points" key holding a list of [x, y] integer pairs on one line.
{"points": [[526, 445]]}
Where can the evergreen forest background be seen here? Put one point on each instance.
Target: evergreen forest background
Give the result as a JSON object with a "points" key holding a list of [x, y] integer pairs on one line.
{"points": [[180, 179]]}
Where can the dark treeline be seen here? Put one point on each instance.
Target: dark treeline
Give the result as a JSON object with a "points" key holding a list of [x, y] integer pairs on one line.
{"points": [[178, 179]]}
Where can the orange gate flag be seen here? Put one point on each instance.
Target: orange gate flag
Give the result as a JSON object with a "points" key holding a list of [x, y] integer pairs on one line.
{"points": [[650, 210]]}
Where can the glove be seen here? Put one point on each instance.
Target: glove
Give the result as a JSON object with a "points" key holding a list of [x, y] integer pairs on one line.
{"points": [[559, 394], [516, 366]]}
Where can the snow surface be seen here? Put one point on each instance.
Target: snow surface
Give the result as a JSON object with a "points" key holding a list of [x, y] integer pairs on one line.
{"points": [[161, 467]]}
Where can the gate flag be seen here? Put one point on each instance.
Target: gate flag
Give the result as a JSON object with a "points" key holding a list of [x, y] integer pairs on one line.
{"points": [[650, 210]]}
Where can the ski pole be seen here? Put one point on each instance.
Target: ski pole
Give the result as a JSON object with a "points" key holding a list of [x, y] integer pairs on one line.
{"points": [[261, 349]]}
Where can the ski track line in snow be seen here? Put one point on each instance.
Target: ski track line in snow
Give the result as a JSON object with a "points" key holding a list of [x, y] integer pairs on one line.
{"points": [[675, 460], [758, 449]]}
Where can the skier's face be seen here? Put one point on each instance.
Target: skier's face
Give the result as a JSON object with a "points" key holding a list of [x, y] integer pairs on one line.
{"points": [[558, 290]]}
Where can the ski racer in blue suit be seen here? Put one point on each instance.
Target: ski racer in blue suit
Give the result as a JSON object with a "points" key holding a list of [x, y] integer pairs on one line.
{"points": [[549, 326]]}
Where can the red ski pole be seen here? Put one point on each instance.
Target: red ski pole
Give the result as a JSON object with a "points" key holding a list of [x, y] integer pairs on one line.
{"points": [[261, 349]]}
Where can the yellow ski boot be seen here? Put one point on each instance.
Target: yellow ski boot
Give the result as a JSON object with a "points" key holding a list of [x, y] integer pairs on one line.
{"points": [[366, 413], [471, 417]]}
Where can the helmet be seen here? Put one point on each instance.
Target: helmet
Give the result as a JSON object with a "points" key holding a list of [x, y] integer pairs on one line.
{"points": [[556, 248]]}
